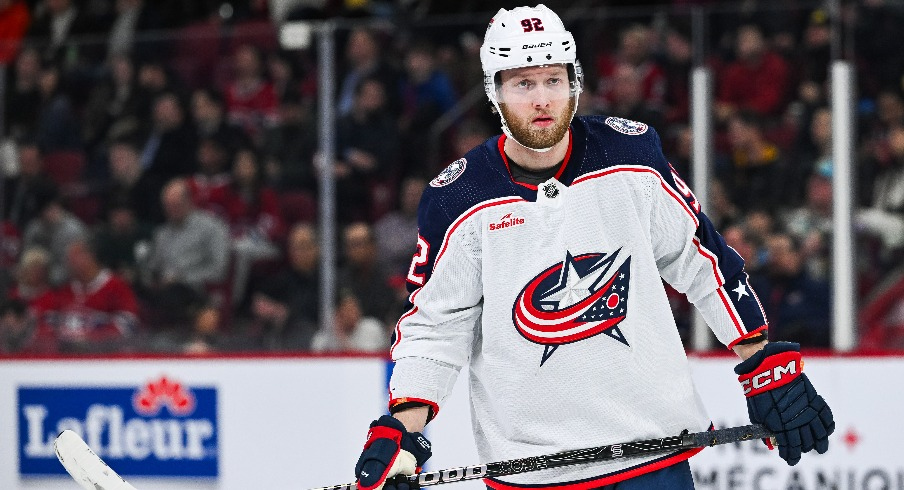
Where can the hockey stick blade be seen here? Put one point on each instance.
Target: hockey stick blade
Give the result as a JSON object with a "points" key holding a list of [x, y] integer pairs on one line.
{"points": [[683, 441], [85, 467]]}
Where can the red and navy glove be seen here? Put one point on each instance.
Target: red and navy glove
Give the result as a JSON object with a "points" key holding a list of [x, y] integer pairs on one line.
{"points": [[780, 397], [390, 450]]}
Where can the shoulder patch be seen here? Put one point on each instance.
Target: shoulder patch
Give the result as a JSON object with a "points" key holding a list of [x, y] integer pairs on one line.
{"points": [[626, 126], [450, 173]]}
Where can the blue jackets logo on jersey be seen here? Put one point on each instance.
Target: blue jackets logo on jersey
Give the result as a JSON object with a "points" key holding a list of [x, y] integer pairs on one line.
{"points": [[574, 300], [626, 126], [450, 173]]}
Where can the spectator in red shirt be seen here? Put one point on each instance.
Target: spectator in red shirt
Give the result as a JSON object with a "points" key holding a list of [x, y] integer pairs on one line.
{"points": [[756, 81], [14, 21], [251, 100], [254, 216], [633, 51], [97, 309]]}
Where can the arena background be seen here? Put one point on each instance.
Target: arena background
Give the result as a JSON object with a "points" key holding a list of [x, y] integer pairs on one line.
{"points": [[302, 134]]}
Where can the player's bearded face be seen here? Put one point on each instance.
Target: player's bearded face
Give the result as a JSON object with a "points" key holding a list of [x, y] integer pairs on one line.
{"points": [[529, 134], [536, 104]]}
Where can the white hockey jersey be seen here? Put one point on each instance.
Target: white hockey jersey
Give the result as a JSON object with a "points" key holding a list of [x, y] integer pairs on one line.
{"points": [[553, 296]]}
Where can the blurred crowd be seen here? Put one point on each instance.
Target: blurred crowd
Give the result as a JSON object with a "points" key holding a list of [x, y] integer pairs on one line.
{"points": [[160, 164]]}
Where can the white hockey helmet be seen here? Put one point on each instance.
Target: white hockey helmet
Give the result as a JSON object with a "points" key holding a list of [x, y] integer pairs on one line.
{"points": [[527, 36]]}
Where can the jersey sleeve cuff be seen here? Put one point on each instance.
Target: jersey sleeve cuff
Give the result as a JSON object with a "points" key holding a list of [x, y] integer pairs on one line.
{"points": [[400, 404], [751, 337], [421, 380]]}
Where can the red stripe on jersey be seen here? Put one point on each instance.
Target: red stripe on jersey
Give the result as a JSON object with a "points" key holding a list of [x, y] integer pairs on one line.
{"points": [[757, 298], [730, 310], [732, 313], [752, 333], [671, 192], [398, 330], [681, 200], [442, 250], [398, 325], [712, 258], [604, 480], [396, 401], [501, 145], [467, 215]]}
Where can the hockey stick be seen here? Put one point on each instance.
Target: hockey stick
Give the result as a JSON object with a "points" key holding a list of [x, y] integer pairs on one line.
{"points": [[576, 456], [93, 474], [85, 467]]}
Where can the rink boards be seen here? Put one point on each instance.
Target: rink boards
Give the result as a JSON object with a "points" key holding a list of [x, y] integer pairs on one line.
{"points": [[299, 422]]}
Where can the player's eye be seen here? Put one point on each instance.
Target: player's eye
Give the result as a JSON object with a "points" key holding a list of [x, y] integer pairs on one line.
{"points": [[554, 81], [524, 84]]}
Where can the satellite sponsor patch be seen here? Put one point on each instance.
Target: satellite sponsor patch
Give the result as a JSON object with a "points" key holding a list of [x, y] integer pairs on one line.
{"points": [[626, 126], [450, 173]]}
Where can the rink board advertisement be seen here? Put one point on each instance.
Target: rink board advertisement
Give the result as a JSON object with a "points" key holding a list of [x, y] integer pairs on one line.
{"points": [[296, 423], [162, 428], [864, 452]]}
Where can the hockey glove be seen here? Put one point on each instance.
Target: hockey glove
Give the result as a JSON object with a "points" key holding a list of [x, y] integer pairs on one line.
{"points": [[390, 450], [780, 397]]}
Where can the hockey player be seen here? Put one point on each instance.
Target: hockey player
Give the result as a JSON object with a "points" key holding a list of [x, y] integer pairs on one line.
{"points": [[539, 265]]}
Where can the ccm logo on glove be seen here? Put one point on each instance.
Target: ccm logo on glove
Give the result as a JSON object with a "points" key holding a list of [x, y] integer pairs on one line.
{"points": [[780, 397], [780, 370], [390, 451]]}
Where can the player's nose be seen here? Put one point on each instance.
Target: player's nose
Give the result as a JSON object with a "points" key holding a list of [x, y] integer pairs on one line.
{"points": [[542, 100], [542, 97]]}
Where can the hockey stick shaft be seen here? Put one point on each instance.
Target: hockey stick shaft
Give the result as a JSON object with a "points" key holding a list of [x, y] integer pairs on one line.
{"points": [[578, 456], [89, 471], [85, 467]]}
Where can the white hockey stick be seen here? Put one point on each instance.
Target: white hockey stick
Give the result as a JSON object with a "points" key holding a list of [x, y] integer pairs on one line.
{"points": [[93, 474], [85, 467]]}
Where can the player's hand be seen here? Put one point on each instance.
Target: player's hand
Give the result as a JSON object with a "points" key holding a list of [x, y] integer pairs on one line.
{"points": [[780, 397], [390, 450]]}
